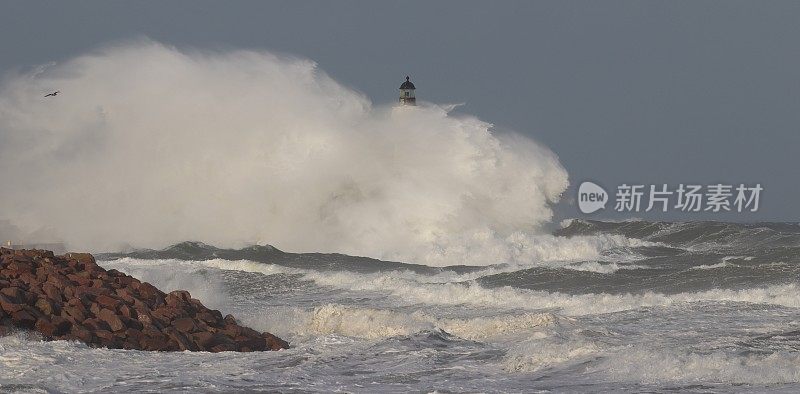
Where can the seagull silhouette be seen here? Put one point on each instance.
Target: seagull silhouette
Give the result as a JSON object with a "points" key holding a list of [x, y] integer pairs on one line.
{"points": [[52, 94]]}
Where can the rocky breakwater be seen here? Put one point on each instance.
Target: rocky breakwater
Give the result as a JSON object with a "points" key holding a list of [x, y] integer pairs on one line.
{"points": [[70, 297]]}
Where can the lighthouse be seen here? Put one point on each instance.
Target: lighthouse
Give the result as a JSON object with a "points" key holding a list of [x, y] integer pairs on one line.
{"points": [[407, 93]]}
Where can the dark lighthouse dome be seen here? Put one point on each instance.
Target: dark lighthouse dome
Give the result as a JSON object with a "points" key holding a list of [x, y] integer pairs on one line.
{"points": [[407, 93], [407, 84]]}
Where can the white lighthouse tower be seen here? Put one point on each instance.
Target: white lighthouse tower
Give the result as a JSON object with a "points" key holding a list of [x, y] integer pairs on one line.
{"points": [[407, 93]]}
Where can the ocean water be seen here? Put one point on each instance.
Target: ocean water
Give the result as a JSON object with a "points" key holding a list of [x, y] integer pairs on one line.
{"points": [[660, 307]]}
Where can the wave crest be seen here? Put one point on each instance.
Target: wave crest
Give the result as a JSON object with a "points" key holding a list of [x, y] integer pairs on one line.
{"points": [[238, 147]]}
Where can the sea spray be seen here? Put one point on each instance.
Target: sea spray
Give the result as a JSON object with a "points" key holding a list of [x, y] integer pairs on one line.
{"points": [[150, 145]]}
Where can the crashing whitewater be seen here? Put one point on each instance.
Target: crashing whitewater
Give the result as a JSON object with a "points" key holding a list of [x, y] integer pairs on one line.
{"points": [[462, 288], [159, 146]]}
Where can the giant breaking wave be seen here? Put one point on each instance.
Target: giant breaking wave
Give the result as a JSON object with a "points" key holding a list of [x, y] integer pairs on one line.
{"points": [[149, 145]]}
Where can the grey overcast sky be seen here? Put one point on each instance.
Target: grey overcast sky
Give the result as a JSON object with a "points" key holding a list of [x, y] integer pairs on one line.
{"points": [[644, 92]]}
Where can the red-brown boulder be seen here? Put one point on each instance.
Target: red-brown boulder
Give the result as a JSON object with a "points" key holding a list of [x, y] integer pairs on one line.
{"points": [[14, 293], [51, 291], [44, 306], [185, 324], [9, 305], [23, 319], [111, 319], [45, 327], [63, 325], [81, 334], [71, 297], [74, 313], [108, 301]]}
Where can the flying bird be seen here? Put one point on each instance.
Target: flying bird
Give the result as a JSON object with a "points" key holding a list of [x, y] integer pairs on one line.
{"points": [[52, 94]]}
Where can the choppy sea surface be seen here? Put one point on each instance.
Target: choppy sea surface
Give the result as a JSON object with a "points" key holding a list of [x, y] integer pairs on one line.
{"points": [[671, 307]]}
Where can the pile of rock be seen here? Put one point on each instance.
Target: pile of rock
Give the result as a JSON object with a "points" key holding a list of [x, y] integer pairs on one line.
{"points": [[71, 297]]}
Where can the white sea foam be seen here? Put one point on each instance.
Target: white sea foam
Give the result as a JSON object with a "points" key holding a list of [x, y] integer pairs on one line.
{"points": [[374, 323], [242, 146], [360, 322], [712, 266], [409, 288], [474, 294], [539, 353], [729, 258], [726, 262], [351, 329], [648, 365], [603, 268]]}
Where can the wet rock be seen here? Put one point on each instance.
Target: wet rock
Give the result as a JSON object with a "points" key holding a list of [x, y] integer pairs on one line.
{"points": [[157, 341], [74, 313], [23, 319], [180, 338], [111, 319], [44, 306], [275, 343], [62, 325], [128, 311], [51, 291], [8, 305], [45, 327], [107, 301], [14, 293], [71, 297], [82, 334], [185, 324], [203, 339], [95, 324], [132, 323], [177, 298]]}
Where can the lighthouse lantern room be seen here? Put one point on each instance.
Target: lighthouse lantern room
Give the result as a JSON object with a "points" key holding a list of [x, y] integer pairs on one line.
{"points": [[407, 93]]}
